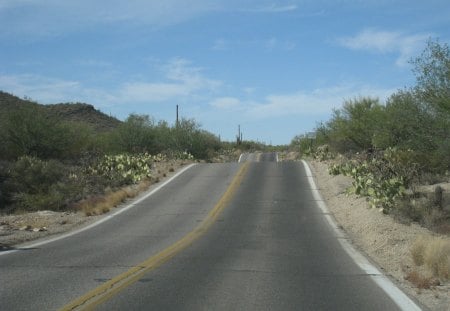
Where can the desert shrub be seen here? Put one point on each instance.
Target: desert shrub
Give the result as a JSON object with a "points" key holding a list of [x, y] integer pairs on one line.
{"points": [[382, 176], [36, 184], [124, 169], [434, 253], [135, 135], [352, 127], [437, 257], [323, 153], [5, 194], [421, 281]]}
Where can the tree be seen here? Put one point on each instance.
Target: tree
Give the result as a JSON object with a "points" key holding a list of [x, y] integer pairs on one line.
{"points": [[432, 69], [353, 127], [406, 123], [31, 131], [135, 135]]}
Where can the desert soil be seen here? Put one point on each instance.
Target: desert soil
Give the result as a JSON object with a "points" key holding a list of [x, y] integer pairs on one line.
{"points": [[384, 241]]}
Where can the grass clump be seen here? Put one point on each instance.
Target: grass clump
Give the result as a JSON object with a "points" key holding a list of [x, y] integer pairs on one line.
{"points": [[420, 281], [434, 254]]}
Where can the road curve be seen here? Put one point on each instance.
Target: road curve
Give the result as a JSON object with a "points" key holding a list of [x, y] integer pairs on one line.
{"points": [[270, 248], [49, 276]]}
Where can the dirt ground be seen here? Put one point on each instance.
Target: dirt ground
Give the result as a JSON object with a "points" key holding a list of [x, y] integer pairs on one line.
{"points": [[386, 242]]}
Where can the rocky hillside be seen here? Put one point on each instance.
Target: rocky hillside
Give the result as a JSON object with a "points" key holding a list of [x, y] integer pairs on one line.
{"points": [[73, 112]]}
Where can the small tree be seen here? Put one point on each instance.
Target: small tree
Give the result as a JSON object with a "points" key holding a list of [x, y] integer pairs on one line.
{"points": [[432, 70], [135, 135], [31, 131], [353, 127]]}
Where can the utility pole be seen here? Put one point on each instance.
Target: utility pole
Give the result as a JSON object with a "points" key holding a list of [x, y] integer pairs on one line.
{"points": [[176, 124], [239, 135]]}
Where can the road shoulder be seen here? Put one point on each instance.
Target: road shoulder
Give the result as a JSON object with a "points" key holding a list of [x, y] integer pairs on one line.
{"points": [[30, 227], [385, 241]]}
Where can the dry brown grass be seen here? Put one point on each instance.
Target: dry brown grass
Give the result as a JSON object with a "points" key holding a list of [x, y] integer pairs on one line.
{"points": [[98, 205], [418, 250], [420, 281], [434, 253], [437, 258], [102, 204]]}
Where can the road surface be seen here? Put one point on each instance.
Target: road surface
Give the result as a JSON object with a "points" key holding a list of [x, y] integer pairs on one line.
{"points": [[265, 246]]}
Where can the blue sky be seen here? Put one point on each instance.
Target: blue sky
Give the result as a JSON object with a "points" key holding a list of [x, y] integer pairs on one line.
{"points": [[277, 68]]}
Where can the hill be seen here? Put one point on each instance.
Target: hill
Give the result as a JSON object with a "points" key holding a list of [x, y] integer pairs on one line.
{"points": [[71, 112]]}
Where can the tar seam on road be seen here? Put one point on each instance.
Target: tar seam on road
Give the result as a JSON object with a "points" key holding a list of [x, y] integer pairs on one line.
{"points": [[107, 290], [400, 298]]}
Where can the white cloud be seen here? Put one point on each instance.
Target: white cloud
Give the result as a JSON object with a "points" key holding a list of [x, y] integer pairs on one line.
{"points": [[220, 45], [152, 92], [51, 17], [274, 43], [386, 42], [183, 80], [43, 89], [180, 79], [225, 102], [46, 90], [316, 102], [274, 8]]}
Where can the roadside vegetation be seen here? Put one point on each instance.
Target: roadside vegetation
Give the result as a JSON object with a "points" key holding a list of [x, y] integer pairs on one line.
{"points": [[398, 155], [72, 157]]}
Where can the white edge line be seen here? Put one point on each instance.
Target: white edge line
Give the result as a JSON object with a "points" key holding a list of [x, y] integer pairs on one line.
{"points": [[106, 218], [240, 158], [397, 295]]}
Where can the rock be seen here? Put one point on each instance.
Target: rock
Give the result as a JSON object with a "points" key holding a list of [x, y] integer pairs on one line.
{"points": [[26, 228], [40, 229]]}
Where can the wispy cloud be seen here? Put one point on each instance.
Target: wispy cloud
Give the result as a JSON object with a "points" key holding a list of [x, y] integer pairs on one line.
{"points": [[220, 45], [180, 79], [303, 103], [47, 90], [268, 44], [386, 42], [226, 103], [274, 43], [46, 18], [275, 8], [42, 89]]}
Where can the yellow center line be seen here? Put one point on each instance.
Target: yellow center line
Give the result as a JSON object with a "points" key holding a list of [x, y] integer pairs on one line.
{"points": [[110, 288]]}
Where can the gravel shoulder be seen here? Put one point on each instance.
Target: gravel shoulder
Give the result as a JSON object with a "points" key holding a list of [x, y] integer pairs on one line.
{"points": [[384, 241]]}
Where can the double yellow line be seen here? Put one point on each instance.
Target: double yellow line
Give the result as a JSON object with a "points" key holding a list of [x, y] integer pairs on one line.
{"points": [[110, 288]]}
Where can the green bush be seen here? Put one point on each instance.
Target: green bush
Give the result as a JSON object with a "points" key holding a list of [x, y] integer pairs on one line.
{"points": [[352, 127], [383, 177], [123, 169], [34, 184], [5, 198]]}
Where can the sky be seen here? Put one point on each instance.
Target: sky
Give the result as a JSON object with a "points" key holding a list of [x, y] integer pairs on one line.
{"points": [[276, 68]]}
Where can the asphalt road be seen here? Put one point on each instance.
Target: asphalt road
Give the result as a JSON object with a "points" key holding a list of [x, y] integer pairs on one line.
{"points": [[268, 248]]}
